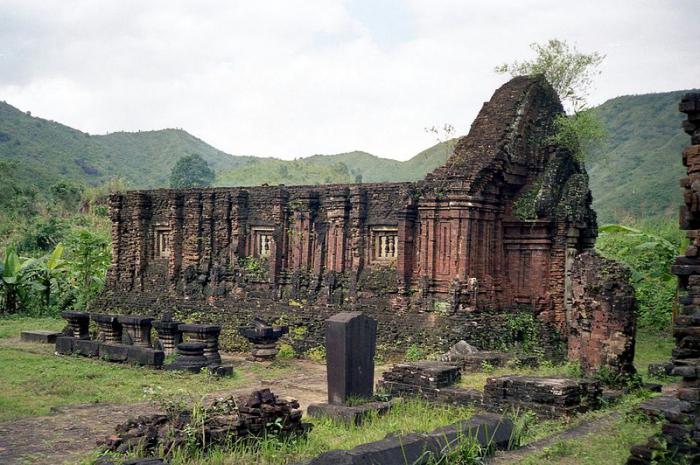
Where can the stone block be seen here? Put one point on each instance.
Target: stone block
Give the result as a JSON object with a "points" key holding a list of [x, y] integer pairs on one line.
{"points": [[40, 336], [144, 356], [487, 428], [114, 352], [87, 348], [424, 373], [350, 345], [418, 449], [660, 369], [350, 414], [221, 370], [65, 345], [546, 396]]}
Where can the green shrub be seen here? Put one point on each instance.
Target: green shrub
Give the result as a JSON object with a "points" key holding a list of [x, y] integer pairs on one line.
{"points": [[285, 351], [414, 353], [648, 248], [317, 354]]}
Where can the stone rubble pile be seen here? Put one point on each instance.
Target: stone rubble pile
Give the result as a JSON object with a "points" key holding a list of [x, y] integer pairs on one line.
{"points": [[473, 360], [225, 421], [549, 397]]}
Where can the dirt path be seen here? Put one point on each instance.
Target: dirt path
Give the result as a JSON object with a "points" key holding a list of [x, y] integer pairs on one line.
{"points": [[509, 457], [70, 432]]}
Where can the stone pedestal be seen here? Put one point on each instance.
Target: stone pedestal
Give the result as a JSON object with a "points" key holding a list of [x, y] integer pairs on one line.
{"points": [[263, 339], [169, 335], [109, 326], [207, 335], [350, 344], [79, 323], [190, 357], [138, 328]]}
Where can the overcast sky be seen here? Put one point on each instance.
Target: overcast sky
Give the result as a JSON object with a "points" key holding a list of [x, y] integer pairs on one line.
{"points": [[295, 78]]}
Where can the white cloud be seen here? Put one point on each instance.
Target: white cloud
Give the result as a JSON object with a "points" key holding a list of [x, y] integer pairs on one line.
{"points": [[294, 78]]}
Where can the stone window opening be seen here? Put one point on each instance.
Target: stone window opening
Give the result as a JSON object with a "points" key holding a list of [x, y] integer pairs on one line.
{"points": [[263, 242], [162, 244], [386, 243]]}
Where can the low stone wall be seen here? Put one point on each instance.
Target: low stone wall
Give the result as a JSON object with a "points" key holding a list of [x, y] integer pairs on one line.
{"points": [[397, 329], [120, 353], [549, 397]]}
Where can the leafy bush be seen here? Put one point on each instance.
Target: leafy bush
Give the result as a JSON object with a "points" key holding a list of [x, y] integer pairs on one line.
{"points": [[51, 283], [414, 353], [648, 248], [317, 354], [285, 351]]}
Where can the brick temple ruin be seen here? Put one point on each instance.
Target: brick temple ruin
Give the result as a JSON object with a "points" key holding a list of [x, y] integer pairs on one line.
{"points": [[493, 232]]}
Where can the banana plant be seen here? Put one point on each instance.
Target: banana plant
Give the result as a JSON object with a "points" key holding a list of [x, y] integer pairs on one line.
{"points": [[14, 279], [47, 272]]}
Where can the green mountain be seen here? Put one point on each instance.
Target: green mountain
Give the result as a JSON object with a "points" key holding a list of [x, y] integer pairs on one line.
{"points": [[46, 151], [635, 172]]}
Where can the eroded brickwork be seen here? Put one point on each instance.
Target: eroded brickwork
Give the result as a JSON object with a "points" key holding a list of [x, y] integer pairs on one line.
{"points": [[602, 323], [433, 261]]}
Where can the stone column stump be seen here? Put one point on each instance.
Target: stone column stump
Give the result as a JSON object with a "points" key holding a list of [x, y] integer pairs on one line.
{"points": [[169, 335], [138, 329], [109, 326], [207, 335], [190, 357], [79, 323], [350, 344], [263, 339]]}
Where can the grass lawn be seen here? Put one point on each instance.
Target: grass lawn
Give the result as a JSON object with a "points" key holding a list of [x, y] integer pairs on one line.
{"points": [[32, 379], [611, 445]]}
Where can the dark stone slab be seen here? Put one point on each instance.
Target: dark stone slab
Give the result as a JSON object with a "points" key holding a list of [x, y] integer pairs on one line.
{"points": [[65, 345], [221, 370], [87, 348], [40, 336], [418, 449], [350, 345], [487, 428], [144, 356], [114, 352], [354, 414], [198, 328], [112, 460], [668, 407]]}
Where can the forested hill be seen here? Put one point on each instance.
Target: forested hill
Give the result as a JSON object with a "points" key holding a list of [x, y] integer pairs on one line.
{"points": [[46, 151], [634, 173]]}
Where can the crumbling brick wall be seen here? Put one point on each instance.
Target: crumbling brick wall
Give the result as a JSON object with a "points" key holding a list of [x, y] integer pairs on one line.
{"points": [[602, 320], [491, 231]]}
